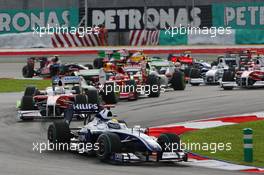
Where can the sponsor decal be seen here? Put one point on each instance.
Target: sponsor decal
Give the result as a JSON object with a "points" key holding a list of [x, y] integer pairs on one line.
{"points": [[239, 15], [135, 18], [15, 21]]}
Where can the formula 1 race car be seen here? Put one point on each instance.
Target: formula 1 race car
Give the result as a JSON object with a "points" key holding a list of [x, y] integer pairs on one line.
{"points": [[249, 74], [185, 61], [112, 141], [214, 75], [166, 71], [52, 102], [198, 72], [127, 81], [49, 67]]}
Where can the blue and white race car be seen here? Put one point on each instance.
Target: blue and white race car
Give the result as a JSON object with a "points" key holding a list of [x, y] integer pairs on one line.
{"points": [[111, 140]]}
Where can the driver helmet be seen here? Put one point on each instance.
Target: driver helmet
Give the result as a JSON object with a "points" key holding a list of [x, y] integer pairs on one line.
{"points": [[177, 64], [163, 70], [60, 89], [105, 114], [109, 67], [55, 59]]}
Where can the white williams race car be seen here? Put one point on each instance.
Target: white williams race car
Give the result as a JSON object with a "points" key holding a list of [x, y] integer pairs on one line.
{"points": [[111, 140]]}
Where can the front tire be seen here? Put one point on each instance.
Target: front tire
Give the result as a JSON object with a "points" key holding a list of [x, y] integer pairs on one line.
{"points": [[169, 143], [108, 143], [60, 135], [109, 97]]}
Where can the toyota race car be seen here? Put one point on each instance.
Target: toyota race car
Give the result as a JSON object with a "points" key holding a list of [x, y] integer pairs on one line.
{"points": [[249, 74], [52, 102]]}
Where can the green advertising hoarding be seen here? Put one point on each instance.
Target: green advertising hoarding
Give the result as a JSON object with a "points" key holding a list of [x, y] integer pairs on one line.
{"points": [[15, 21], [177, 39], [239, 15]]}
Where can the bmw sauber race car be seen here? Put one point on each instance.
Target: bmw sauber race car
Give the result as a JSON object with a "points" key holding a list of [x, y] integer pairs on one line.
{"points": [[111, 140], [214, 75], [52, 102]]}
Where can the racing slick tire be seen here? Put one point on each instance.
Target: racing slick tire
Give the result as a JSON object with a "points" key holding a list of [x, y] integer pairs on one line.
{"points": [[81, 99], [228, 76], [152, 81], [30, 91], [27, 71], [60, 135], [108, 144], [27, 103], [93, 96], [195, 73], [177, 81], [89, 66], [109, 97], [98, 63], [168, 141]]}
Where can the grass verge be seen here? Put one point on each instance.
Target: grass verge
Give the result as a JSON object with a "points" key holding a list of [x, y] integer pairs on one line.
{"points": [[229, 134], [17, 85]]}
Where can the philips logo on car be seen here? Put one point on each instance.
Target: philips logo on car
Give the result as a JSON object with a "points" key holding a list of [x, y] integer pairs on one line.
{"points": [[81, 107]]}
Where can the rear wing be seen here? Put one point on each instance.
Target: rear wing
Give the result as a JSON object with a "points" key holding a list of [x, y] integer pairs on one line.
{"points": [[66, 80]]}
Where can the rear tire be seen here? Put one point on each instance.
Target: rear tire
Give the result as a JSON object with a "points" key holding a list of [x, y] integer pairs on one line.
{"points": [[27, 72], [81, 99], [195, 73], [178, 81], [93, 96], [153, 81], [108, 143], [98, 63], [228, 76]]}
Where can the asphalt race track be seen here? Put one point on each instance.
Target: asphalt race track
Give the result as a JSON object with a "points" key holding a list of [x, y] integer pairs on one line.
{"points": [[17, 156]]}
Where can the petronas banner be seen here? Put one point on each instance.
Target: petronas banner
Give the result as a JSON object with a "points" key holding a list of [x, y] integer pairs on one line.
{"points": [[239, 15]]}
